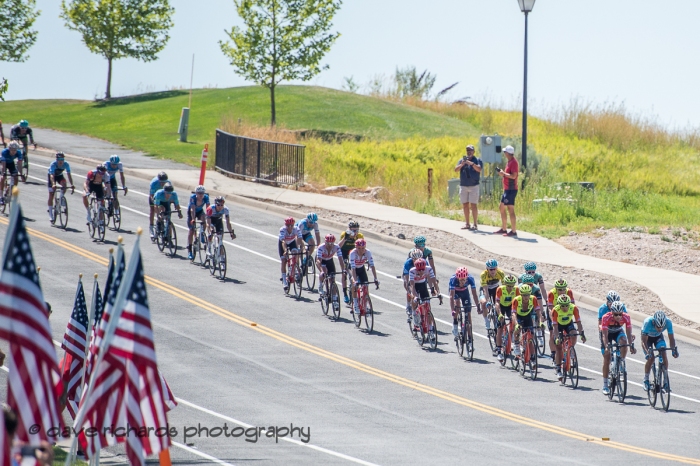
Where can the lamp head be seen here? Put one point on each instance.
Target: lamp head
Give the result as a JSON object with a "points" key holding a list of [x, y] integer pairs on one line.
{"points": [[526, 6]]}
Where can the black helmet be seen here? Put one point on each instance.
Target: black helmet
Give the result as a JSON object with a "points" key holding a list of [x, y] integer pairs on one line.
{"points": [[168, 187], [60, 155], [220, 200], [162, 176], [101, 168], [353, 224]]}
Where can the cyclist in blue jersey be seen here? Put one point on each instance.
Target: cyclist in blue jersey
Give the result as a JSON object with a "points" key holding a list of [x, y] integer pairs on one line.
{"points": [[653, 334], [157, 183], [199, 202], [611, 297], [307, 226], [55, 176], [460, 284], [413, 256], [215, 220], [113, 166], [7, 164]]}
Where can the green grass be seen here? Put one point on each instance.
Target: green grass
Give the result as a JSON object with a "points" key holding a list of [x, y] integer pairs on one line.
{"points": [[149, 122]]}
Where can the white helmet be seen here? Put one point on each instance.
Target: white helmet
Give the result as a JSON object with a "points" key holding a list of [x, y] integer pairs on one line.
{"points": [[13, 145], [200, 189], [659, 319]]}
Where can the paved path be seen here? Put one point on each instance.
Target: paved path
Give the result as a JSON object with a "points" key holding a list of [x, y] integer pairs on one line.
{"points": [[670, 286]]}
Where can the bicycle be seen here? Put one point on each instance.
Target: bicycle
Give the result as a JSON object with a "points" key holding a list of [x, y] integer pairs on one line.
{"points": [[465, 337], [200, 245], [24, 169], [294, 275], [309, 270], [529, 352], [427, 331], [540, 341], [165, 233], [617, 376], [9, 183], [569, 360], [217, 259], [60, 206], [493, 325], [96, 225], [365, 304], [115, 215], [658, 380], [507, 343], [331, 297]]}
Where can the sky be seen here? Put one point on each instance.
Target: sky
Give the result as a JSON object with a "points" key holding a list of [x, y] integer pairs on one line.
{"points": [[633, 52]]}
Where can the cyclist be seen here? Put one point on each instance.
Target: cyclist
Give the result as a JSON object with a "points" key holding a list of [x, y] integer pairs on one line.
{"points": [[611, 297], [199, 202], [22, 132], [413, 256], [347, 244], [419, 242], [8, 165], [419, 277], [55, 176], [162, 200], [490, 281], [94, 183], [324, 260], [526, 307], [616, 325], [653, 334], [289, 240], [561, 287], [564, 315], [306, 226], [459, 286], [157, 183], [114, 165], [214, 218], [358, 258], [537, 281], [528, 279], [504, 302]]}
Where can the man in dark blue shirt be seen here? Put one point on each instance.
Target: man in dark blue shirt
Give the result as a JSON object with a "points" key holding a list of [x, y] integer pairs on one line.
{"points": [[469, 168]]}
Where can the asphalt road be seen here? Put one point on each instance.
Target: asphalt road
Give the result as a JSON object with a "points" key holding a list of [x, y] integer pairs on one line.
{"points": [[368, 399]]}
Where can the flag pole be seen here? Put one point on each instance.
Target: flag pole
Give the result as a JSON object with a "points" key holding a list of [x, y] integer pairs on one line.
{"points": [[93, 309]]}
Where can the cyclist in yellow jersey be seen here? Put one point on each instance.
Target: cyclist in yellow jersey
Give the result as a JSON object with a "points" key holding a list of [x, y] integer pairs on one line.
{"points": [[490, 281], [565, 317], [504, 300], [525, 307], [561, 287], [347, 244]]}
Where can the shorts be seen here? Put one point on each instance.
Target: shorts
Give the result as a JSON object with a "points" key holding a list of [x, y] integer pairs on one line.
{"points": [[345, 253], [506, 312], [361, 274], [98, 189], [657, 341], [505, 309], [218, 224], [113, 184], [150, 201], [11, 168], [615, 336], [329, 265], [422, 289], [58, 179], [466, 301], [469, 194], [199, 216], [307, 236], [568, 328], [508, 197], [291, 245], [526, 321], [166, 205]]}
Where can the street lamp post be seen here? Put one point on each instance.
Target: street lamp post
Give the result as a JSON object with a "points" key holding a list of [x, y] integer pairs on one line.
{"points": [[526, 7]]}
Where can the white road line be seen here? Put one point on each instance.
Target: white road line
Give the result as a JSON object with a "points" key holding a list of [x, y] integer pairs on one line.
{"points": [[296, 442], [200, 454]]}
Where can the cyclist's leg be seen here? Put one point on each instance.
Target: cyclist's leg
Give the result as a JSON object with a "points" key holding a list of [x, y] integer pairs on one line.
{"points": [[283, 262], [49, 183], [114, 189], [191, 227], [311, 242], [661, 343]]}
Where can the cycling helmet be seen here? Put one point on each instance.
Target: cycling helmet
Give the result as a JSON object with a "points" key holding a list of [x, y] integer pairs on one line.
{"points": [[13, 145], [289, 221], [24, 124], [561, 284], [617, 307], [312, 217], [415, 253], [419, 264], [60, 155], [530, 266], [462, 273], [659, 319], [220, 200], [491, 264], [114, 159], [360, 243], [200, 189], [525, 289], [168, 188], [101, 168], [613, 296], [162, 176], [564, 300], [330, 238], [419, 240], [510, 280], [353, 224], [527, 278]]}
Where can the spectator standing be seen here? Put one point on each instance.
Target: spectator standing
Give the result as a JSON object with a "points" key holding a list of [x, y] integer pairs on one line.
{"points": [[469, 168], [510, 190]]}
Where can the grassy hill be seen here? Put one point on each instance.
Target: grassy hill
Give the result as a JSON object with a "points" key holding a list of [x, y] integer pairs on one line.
{"points": [[149, 122]]}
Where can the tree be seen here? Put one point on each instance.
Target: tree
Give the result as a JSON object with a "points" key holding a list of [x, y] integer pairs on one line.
{"points": [[283, 40], [120, 28], [16, 34], [3, 88]]}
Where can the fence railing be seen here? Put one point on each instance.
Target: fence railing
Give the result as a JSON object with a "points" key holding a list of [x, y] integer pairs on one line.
{"points": [[267, 161]]}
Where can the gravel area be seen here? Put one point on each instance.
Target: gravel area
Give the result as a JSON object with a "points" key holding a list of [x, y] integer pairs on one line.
{"points": [[604, 244]]}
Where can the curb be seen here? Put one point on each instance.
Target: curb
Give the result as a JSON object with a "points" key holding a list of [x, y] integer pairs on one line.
{"points": [[690, 335]]}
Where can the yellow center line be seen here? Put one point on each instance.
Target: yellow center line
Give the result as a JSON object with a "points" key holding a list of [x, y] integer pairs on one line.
{"points": [[447, 396]]}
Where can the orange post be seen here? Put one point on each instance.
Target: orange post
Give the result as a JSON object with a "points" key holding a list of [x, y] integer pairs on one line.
{"points": [[202, 172], [164, 458]]}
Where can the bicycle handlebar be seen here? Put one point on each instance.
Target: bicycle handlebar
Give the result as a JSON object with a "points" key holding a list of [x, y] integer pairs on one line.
{"points": [[376, 282]]}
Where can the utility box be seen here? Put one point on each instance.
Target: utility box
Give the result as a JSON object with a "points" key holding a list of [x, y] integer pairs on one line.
{"points": [[490, 149], [184, 123], [453, 188]]}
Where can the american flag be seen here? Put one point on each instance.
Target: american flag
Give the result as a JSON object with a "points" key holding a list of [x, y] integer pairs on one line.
{"points": [[126, 387], [75, 345], [33, 365]]}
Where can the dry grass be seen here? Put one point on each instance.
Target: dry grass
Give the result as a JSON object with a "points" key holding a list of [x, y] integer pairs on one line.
{"points": [[241, 128]]}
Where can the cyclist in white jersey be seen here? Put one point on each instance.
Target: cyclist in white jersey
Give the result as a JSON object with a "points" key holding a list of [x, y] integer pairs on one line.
{"points": [[358, 258], [419, 277], [289, 240], [324, 260]]}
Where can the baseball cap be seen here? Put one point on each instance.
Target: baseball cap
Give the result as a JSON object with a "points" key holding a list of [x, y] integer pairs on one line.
{"points": [[509, 149], [470, 147]]}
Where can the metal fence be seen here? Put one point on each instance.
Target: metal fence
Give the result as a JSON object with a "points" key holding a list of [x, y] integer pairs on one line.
{"points": [[267, 161]]}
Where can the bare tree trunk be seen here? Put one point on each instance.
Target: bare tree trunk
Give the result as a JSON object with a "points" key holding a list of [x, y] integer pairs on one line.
{"points": [[108, 94], [273, 120]]}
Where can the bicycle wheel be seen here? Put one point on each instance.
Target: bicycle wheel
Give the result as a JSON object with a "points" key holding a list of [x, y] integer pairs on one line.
{"points": [[326, 299], [612, 381], [573, 367], [160, 237], [62, 212], [202, 248], [532, 364], [492, 333], [621, 383], [334, 298], [469, 340], [520, 365], [223, 265], [369, 315], [213, 259], [117, 219], [461, 333], [310, 275], [504, 346], [298, 278], [101, 225], [195, 250], [664, 388], [5, 201], [357, 316], [652, 392], [432, 331], [172, 239], [541, 343], [108, 212], [24, 171]]}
